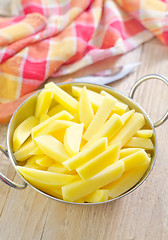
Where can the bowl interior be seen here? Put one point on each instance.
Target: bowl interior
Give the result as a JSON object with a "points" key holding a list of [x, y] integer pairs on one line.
{"points": [[27, 109]]}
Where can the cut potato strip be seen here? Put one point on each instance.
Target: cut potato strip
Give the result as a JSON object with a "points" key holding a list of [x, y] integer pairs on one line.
{"points": [[127, 181], [129, 129], [58, 108], [87, 154], [128, 151], [22, 132], [44, 117], [137, 142], [144, 133], [95, 98], [103, 160], [52, 148], [82, 188], [43, 102], [100, 195], [62, 97], [44, 161], [31, 163], [135, 159], [110, 128], [59, 168], [100, 117], [118, 105], [59, 134], [26, 150], [45, 178], [126, 116], [72, 138], [85, 108], [48, 124]]}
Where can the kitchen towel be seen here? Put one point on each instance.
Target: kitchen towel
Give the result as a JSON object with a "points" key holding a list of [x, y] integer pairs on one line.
{"points": [[54, 38]]}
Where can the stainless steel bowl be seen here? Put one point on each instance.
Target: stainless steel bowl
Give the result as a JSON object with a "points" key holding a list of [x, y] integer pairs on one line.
{"points": [[28, 106]]}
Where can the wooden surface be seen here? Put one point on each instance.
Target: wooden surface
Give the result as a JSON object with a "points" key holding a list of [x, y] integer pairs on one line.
{"points": [[142, 215]]}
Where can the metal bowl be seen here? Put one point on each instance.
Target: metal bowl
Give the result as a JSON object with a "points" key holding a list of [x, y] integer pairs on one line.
{"points": [[28, 106]]}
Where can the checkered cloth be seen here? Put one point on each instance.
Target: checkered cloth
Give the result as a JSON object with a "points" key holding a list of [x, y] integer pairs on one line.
{"points": [[54, 38]]}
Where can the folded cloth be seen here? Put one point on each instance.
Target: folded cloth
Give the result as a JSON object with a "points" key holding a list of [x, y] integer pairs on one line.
{"points": [[54, 38]]}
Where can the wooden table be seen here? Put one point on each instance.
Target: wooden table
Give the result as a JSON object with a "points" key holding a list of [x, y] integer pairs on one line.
{"points": [[142, 215]]}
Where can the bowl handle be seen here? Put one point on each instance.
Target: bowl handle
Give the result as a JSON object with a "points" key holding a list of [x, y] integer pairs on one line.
{"points": [[141, 80], [8, 181]]}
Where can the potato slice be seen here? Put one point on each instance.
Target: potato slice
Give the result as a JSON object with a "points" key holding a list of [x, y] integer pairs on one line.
{"points": [[58, 108], [144, 133], [128, 180], [95, 98], [100, 195], [137, 142], [45, 178], [59, 168], [95, 165], [59, 134], [107, 130], [135, 159], [52, 148], [72, 138], [63, 98], [100, 117], [129, 129], [85, 108], [44, 161], [26, 150], [31, 163], [43, 102], [126, 116], [87, 154], [118, 105], [44, 117], [22, 132], [49, 125], [128, 151], [81, 188]]}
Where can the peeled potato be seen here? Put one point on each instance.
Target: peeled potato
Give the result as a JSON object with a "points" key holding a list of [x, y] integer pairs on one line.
{"points": [[22, 132], [88, 147]]}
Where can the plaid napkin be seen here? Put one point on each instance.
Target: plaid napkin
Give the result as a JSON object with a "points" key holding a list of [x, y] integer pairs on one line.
{"points": [[54, 38]]}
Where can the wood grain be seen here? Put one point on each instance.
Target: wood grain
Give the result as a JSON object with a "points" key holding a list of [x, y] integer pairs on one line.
{"points": [[142, 215]]}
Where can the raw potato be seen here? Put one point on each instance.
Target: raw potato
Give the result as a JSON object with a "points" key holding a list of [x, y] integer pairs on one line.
{"points": [[45, 178], [144, 133], [137, 142], [100, 195], [49, 125], [87, 148], [109, 129], [52, 148], [85, 108], [100, 117], [72, 138], [122, 107], [25, 150], [129, 129], [22, 132], [44, 161], [127, 181], [81, 188], [135, 159], [87, 154], [44, 117], [43, 102], [58, 108], [128, 151], [103, 160], [63, 98]]}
